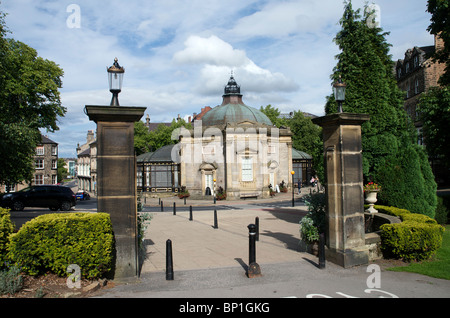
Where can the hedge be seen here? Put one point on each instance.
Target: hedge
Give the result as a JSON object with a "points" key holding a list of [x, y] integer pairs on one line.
{"points": [[417, 237], [52, 242], [6, 229]]}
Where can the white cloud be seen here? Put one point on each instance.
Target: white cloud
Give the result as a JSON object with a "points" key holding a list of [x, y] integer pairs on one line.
{"points": [[218, 58]]}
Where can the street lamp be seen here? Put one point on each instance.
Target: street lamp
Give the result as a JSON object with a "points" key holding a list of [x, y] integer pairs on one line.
{"points": [[293, 172], [115, 79], [339, 92]]}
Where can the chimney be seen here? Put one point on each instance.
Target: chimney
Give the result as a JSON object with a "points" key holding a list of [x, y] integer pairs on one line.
{"points": [[90, 136]]}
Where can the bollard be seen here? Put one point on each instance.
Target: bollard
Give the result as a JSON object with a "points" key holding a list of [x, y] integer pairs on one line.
{"points": [[190, 213], [215, 219], [257, 228], [169, 261], [174, 208], [184, 200], [253, 267], [162, 206], [322, 251]]}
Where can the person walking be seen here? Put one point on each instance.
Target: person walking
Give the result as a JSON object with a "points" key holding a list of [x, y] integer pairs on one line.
{"points": [[299, 183]]}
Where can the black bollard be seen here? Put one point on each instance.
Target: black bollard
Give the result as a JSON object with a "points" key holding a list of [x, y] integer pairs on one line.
{"points": [[253, 267], [322, 251], [190, 213], [215, 220], [257, 228], [174, 208], [162, 206], [169, 261]]}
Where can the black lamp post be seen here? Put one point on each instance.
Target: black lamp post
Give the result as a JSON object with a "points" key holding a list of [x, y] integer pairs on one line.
{"points": [[115, 79], [293, 172], [339, 92]]}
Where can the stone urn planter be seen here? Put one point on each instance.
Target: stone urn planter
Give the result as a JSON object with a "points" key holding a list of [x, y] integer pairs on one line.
{"points": [[371, 199]]}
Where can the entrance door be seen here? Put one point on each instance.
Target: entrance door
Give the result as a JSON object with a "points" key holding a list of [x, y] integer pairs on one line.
{"points": [[209, 184]]}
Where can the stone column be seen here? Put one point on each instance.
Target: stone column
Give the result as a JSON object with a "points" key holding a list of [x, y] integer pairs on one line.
{"points": [[344, 188], [116, 180]]}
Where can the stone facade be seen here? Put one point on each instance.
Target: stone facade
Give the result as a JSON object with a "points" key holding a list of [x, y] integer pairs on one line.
{"points": [[415, 74]]}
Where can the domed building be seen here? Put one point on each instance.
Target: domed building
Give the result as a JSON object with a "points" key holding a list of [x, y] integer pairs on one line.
{"points": [[234, 147]]}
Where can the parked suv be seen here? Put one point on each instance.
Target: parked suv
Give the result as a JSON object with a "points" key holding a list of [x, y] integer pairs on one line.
{"points": [[52, 196]]}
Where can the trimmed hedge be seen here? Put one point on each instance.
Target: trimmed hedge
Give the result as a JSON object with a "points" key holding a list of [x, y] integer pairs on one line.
{"points": [[52, 242], [417, 238], [6, 229]]}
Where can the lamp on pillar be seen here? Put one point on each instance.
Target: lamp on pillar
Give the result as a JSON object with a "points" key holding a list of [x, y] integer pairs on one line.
{"points": [[339, 92], [115, 79]]}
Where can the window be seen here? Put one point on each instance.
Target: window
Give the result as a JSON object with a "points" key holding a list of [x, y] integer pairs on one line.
{"points": [[416, 61], [54, 150], [408, 88], [54, 179], [39, 164], [247, 169], [399, 72], [54, 164], [39, 179], [407, 68], [40, 150], [416, 86]]}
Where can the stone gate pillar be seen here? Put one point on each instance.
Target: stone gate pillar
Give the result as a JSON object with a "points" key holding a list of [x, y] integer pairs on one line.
{"points": [[344, 188], [116, 179]]}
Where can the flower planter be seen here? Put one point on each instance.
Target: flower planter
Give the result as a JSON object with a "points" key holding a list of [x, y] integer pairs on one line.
{"points": [[371, 199]]}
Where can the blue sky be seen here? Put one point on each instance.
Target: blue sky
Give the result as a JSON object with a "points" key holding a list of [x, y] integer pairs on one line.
{"points": [[178, 55]]}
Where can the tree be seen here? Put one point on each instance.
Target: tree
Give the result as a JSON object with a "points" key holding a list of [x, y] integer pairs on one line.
{"points": [[29, 101], [434, 108], [147, 141], [62, 170], [440, 25], [366, 67]]}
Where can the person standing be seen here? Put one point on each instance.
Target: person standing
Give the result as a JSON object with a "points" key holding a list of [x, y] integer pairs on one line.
{"points": [[299, 183]]}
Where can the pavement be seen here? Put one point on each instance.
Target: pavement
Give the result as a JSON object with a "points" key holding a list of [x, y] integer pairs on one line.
{"points": [[212, 262]]}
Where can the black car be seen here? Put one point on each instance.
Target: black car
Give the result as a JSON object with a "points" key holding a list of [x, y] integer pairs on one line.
{"points": [[52, 196]]}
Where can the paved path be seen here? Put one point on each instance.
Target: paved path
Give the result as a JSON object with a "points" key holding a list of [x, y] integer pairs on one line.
{"points": [[196, 244]]}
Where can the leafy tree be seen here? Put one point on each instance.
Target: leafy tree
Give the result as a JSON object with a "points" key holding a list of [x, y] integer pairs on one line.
{"points": [[366, 67], [440, 25], [434, 108], [147, 141], [62, 170], [273, 114], [29, 100]]}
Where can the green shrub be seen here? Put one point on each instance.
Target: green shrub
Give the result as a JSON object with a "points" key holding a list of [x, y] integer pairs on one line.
{"points": [[6, 229], [52, 242], [312, 224], [417, 237]]}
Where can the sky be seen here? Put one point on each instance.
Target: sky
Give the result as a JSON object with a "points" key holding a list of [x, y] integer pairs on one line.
{"points": [[178, 55]]}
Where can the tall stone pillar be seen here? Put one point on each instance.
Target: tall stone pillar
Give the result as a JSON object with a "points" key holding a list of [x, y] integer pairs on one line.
{"points": [[116, 180], [344, 188]]}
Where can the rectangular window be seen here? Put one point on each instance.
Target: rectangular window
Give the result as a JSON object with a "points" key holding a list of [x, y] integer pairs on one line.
{"points": [[39, 164], [39, 179], [40, 150], [54, 150], [54, 179], [247, 169], [54, 164], [416, 86]]}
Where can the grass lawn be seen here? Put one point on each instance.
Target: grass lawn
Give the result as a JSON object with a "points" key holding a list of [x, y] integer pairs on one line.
{"points": [[438, 266]]}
